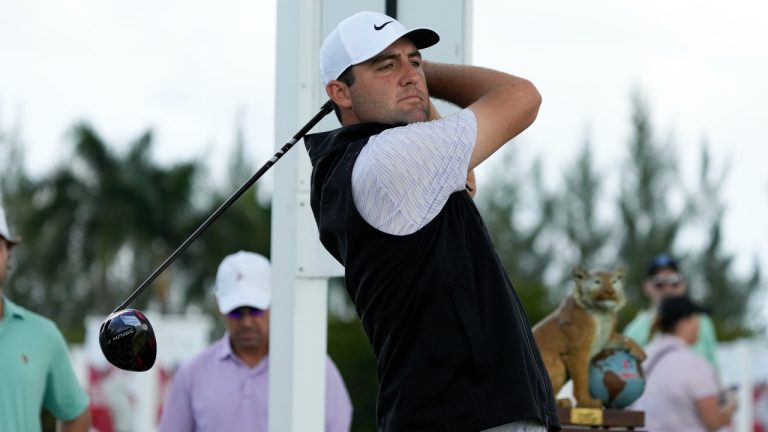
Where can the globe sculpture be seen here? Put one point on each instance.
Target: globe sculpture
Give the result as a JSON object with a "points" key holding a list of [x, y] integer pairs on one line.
{"points": [[615, 378]]}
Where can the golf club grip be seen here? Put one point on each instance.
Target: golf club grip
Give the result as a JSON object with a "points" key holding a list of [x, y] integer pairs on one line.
{"points": [[324, 110]]}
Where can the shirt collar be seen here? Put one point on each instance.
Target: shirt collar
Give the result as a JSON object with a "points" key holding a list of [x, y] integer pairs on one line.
{"points": [[321, 144], [664, 340], [224, 352], [224, 349], [11, 309]]}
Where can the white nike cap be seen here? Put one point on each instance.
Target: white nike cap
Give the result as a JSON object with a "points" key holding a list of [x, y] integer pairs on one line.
{"points": [[4, 231], [361, 37], [243, 279]]}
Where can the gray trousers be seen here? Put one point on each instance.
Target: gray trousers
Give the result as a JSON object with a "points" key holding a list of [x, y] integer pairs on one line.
{"points": [[522, 426]]}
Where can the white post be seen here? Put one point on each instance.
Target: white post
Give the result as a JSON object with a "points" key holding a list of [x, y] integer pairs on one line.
{"points": [[744, 415], [299, 298], [146, 409]]}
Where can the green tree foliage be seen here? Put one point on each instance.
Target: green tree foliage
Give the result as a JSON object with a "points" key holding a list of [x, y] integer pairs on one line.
{"points": [[518, 212], [539, 238], [654, 209], [101, 223], [96, 226], [244, 226], [653, 206], [349, 348], [12, 174], [578, 213], [727, 293]]}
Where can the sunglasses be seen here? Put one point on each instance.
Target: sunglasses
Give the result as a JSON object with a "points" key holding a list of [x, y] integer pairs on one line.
{"points": [[672, 280], [241, 312]]}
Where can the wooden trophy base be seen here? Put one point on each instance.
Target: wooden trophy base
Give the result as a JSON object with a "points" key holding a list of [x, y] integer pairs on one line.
{"points": [[600, 420]]}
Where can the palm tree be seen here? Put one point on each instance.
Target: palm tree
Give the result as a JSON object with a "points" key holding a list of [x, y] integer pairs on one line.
{"points": [[521, 243], [246, 225], [101, 223]]}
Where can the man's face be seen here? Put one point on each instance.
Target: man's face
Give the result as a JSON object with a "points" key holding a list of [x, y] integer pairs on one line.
{"points": [[390, 88], [664, 283], [688, 329], [4, 253], [248, 329]]}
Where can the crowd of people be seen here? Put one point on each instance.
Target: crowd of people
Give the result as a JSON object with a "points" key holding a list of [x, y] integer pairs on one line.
{"points": [[683, 389]]}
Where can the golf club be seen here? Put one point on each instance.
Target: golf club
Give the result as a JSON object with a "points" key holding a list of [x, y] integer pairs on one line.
{"points": [[126, 336]]}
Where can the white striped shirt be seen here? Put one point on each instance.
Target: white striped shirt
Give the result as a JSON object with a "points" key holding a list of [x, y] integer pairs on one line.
{"points": [[404, 175]]}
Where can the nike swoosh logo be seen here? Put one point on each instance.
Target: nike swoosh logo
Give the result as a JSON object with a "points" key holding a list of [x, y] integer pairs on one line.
{"points": [[377, 28]]}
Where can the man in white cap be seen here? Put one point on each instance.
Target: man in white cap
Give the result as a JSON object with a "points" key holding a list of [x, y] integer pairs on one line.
{"points": [[35, 368], [225, 387], [391, 194]]}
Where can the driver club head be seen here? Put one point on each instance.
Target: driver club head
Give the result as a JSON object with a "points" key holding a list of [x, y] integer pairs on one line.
{"points": [[128, 340]]}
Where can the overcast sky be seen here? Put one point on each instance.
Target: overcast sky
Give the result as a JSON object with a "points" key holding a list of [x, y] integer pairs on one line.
{"points": [[192, 70], [700, 64]]}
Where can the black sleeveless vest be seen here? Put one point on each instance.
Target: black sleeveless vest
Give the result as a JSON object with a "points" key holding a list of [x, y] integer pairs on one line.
{"points": [[453, 345]]}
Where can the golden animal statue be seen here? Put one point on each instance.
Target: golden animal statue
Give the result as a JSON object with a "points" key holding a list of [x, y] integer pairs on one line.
{"points": [[583, 325]]}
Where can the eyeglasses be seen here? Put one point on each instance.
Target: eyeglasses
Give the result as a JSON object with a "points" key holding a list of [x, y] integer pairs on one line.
{"points": [[672, 280], [241, 312]]}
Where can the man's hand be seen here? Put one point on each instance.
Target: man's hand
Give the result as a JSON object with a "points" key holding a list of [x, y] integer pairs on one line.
{"points": [[82, 423], [471, 184], [504, 105]]}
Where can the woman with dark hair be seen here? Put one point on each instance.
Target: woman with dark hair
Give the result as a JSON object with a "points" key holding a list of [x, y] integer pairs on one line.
{"points": [[682, 391]]}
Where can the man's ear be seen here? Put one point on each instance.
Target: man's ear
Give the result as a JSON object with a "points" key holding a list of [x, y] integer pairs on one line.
{"points": [[338, 92]]}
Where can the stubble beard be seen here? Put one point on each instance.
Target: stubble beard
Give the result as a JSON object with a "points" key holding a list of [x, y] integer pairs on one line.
{"points": [[407, 116], [420, 116], [253, 342], [376, 110]]}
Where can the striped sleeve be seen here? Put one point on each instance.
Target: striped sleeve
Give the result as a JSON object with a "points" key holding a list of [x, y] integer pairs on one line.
{"points": [[404, 176]]}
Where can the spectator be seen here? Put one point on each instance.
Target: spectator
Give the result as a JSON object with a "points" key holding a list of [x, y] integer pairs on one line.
{"points": [[682, 392], [224, 388], [35, 368], [663, 279]]}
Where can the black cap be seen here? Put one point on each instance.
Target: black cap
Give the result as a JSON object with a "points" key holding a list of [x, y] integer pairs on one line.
{"points": [[674, 308], [659, 262]]}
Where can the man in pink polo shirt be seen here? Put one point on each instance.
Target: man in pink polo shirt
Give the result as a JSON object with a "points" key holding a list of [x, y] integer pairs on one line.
{"points": [[225, 388]]}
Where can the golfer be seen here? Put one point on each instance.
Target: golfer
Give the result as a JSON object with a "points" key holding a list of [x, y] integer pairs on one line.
{"points": [[390, 194]]}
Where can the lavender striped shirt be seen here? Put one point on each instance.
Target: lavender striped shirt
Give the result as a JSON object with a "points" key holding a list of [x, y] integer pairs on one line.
{"points": [[215, 391], [404, 176]]}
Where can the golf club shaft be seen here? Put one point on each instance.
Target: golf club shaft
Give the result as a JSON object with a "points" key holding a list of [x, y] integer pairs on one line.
{"points": [[324, 110]]}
